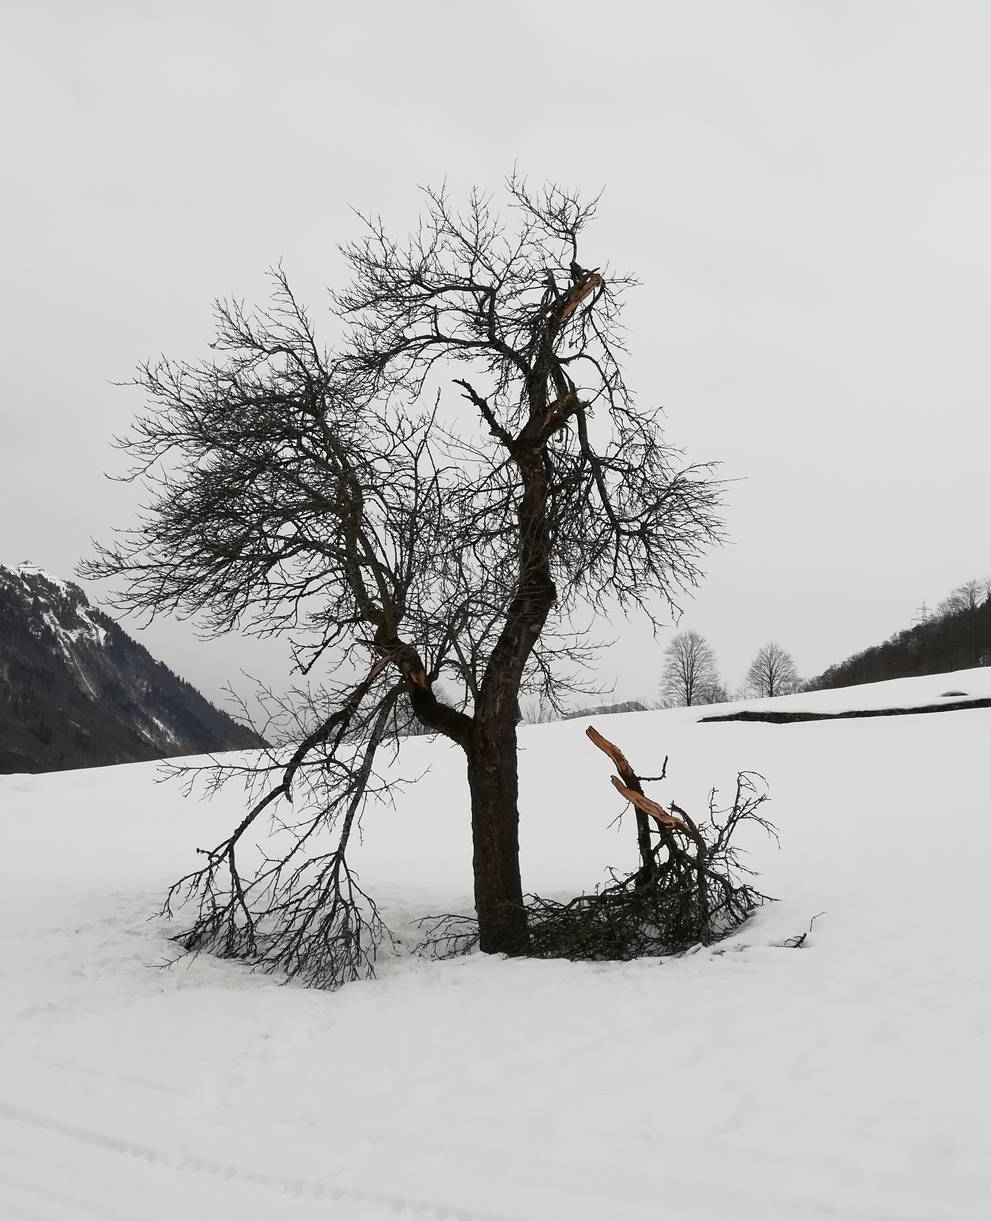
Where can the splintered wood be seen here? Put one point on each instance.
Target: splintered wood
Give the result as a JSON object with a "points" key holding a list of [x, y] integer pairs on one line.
{"points": [[578, 295], [656, 811], [629, 785]]}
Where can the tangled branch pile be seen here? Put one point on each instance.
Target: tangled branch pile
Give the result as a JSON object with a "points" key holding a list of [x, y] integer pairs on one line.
{"points": [[691, 888]]}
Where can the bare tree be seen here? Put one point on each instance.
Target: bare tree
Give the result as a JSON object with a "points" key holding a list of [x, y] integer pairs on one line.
{"points": [[714, 692], [401, 536], [772, 672], [968, 596], [534, 711], [966, 600], [690, 673]]}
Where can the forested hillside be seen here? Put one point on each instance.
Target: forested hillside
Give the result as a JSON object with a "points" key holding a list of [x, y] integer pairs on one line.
{"points": [[76, 690], [954, 637]]}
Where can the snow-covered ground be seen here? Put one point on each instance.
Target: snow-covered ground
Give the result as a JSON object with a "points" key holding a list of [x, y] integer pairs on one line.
{"points": [[931, 690], [752, 1082]]}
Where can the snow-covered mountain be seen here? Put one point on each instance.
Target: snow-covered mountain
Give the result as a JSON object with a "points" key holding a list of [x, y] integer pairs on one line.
{"points": [[76, 690]]}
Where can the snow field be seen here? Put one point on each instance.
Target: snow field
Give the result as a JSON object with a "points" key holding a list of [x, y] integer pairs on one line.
{"points": [[747, 1082]]}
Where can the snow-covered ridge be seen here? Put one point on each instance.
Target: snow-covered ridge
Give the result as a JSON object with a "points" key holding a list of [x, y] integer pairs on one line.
{"points": [[893, 693], [27, 569], [923, 691], [64, 608]]}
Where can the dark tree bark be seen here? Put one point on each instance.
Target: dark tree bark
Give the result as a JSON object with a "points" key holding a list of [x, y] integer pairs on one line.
{"points": [[494, 787], [492, 763]]}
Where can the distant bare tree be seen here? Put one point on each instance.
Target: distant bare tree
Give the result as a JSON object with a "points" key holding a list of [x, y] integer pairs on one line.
{"points": [[690, 672], [713, 693], [965, 601], [535, 711], [967, 597], [772, 672], [402, 534]]}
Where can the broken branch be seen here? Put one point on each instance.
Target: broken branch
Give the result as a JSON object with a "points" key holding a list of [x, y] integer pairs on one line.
{"points": [[652, 808]]}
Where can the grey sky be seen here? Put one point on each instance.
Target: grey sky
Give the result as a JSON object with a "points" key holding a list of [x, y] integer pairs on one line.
{"points": [[803, 188]]}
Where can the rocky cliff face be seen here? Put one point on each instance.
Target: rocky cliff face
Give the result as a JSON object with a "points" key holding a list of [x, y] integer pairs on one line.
{"points": [[77, 691]]}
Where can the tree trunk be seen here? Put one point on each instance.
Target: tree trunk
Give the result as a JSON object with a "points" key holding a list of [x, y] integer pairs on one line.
{"points": [[494, 787], [493, 777]]}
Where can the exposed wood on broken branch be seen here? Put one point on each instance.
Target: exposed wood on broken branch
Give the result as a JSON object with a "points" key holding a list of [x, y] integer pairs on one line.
{"points": [[630, 785], [578, 294], [653, 808], [614, 753]]}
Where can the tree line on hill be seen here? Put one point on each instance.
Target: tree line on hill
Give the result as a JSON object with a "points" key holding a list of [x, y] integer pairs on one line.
{"points": [[956, 636]]}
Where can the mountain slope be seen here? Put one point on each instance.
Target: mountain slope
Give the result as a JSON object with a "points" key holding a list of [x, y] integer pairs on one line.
{"points": [[77, 691]]}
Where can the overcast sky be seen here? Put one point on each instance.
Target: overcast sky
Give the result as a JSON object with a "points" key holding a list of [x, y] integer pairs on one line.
{"points": [[804, 189]]}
